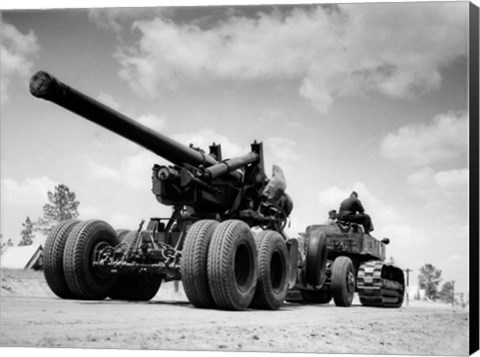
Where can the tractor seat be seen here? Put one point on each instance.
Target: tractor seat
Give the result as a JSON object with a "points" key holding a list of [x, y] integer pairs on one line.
{"points": [[348, 226]]}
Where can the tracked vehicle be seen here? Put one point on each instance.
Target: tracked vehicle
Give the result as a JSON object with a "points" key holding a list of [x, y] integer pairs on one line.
{"points": [[351, 261]]}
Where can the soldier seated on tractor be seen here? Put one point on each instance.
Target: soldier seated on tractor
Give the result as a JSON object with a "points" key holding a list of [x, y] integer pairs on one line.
{"points": [[351, 210], [332, 216]]}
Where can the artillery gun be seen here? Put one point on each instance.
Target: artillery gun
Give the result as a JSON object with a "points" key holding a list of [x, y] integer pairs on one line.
{"points": [[352, 262], [207, 242]]}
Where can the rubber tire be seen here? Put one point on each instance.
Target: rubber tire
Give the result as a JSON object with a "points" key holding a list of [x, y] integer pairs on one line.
{"points": [[194, 268], [232, 265], [316, 259], [342, 283], [53, 259], [272, 282], [81, 277], [316, 297]]}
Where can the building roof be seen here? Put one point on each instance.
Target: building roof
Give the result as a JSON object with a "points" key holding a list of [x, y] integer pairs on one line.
{"points": [[21, 257]]}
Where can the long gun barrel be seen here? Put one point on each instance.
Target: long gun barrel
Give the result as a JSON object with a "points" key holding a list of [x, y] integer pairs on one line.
{"points": [[45, 86], [236, 188]]}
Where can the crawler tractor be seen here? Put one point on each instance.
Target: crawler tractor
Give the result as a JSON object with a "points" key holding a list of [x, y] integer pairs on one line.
{"points": [[350, 261]]}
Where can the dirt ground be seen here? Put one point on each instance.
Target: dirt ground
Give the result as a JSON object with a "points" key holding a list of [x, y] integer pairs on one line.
{"points": [[31, 316]]}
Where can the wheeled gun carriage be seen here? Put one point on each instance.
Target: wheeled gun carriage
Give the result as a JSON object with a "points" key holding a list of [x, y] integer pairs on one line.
{"points": [[207, 242]]}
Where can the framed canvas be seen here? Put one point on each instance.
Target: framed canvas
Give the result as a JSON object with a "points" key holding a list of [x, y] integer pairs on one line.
{"points": [[224, 177]]}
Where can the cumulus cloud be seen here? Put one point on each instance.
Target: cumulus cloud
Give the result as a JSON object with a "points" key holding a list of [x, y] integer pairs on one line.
{"points": [[281, 150], [116, 19], [135, 171], [448, 180], [31, 192], [395, 49], [451, 184], [442, 197], [16, 53], [442, 139]]}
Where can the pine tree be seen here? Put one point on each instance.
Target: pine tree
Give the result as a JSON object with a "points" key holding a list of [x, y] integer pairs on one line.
{"points": [[4, 246], [429, 279], [27, 233], [62, 206]]}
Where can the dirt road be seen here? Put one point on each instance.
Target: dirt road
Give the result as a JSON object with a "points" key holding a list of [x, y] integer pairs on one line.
{"points": [[40, 319]]}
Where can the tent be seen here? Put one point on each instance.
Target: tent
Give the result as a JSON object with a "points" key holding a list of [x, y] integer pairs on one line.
{"points": [[24, 257]]}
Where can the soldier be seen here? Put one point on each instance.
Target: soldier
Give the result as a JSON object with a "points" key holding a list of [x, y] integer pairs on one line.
{"points": [[332, 215], [351, 210]]}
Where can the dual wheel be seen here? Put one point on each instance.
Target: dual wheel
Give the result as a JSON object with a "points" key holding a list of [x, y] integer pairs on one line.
{"points": [[224, 266], [69, 252]]}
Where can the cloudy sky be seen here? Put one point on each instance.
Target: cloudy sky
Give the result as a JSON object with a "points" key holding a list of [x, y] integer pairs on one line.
{"points": [[365, 97]]}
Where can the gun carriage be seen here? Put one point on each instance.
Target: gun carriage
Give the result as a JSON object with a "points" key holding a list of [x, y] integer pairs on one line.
{"points": [[207, 242]]}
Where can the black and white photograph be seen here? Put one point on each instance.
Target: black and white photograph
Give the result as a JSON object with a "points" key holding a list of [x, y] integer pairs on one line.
{"points": [[240, 177]]}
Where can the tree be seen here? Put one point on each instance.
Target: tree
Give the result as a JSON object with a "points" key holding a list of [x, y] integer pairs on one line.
{"points": [[27, 233], [429, 279], [61, 206], [446, 293], [4, 246]]}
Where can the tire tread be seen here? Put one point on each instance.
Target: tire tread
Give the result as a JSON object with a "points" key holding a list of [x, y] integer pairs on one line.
{"points": [[74, 265], [194, 267], [53, 259]]}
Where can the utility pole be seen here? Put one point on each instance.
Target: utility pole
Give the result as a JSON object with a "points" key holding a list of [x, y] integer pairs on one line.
{"points": [[408, 270]]}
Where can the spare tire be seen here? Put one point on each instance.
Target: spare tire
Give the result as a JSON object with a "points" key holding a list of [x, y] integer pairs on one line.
{"points": [[316, 259]]}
